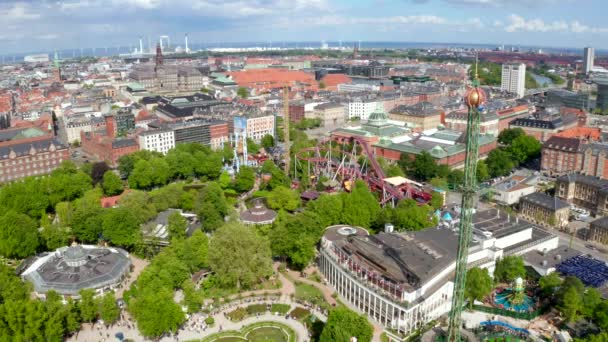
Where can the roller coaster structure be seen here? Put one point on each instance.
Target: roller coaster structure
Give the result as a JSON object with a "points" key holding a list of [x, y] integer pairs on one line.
{"points": [[341, 166]]}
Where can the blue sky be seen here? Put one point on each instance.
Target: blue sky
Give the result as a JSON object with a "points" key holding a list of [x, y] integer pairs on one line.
{"points": [[31, 25]]}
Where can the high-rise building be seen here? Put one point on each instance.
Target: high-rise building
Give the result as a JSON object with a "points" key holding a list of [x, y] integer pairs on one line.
{"points": [[602, 94], [514, 79], [589, 56]]}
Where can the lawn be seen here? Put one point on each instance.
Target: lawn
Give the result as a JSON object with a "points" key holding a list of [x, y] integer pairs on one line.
{"points": [[280, 308], [310, 294]]}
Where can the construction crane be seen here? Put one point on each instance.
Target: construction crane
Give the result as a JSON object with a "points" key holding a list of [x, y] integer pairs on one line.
{"points": [[474, 99], [286, 127]]}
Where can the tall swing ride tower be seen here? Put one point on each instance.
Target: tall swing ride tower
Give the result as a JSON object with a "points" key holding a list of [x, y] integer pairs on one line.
{"points": [[474, 99]]}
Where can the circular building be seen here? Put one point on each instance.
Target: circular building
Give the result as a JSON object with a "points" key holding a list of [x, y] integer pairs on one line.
{"points": [[68, 270], [258, 215]]}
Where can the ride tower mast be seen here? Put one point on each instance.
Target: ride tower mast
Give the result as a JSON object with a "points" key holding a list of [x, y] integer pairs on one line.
{"points": [[474, 99]]}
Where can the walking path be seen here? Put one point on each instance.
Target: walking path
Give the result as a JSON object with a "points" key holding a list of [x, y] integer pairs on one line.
{"points": [[194, 328]]}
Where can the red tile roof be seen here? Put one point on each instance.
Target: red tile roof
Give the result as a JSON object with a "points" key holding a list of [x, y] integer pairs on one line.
{"points": [[332, 80], [581, 133], [271, 78]]}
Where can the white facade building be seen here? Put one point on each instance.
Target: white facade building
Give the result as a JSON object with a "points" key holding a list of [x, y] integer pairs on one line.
{"points": [[157, 140], [258, 127], [361, 109], [588, 59], [404, 280], [514, 79]]}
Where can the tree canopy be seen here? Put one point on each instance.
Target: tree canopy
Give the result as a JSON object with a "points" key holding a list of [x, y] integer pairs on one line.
{"points": [[479, 285], [18, 235], [112, 184], [239, 257], [343, 324], [510, 268]]}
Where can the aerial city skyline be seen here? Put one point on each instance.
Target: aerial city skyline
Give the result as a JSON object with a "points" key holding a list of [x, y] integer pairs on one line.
{"points": [[75, 24], [304, 171]]}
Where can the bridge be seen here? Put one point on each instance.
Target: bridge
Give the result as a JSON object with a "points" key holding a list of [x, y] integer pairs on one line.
{"points": [[537, 91]]}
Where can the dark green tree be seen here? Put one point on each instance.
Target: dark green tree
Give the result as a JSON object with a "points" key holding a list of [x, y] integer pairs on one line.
{"points": [[267, 141], [239, 257], [510, 268], [120, 226], [571, 304], [360, 206], [479, 285], [508, 135], [193, 299], [112, 184], [424, 167], [242, 92], [245, 179], [499, 163], [98, 170], [18, 235], [328, 209], [456, 178], [524, 147], [548, 284], [88, 305], [177, 225], [109, 310], [283, 198], [483, 174], [343, 324]]}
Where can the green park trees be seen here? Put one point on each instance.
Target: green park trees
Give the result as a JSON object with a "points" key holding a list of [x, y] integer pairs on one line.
{"points": [[18, 235], [510, 268], [111, 183], [177, 225], [360, 207], [343, 324], [549, 284], [283, 198], [479, 285], [239, 257], [244, 179], [212, 206], [267, 141]]}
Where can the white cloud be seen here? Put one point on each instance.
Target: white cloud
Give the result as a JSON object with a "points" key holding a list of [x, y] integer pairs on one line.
{"points": [[518, 23], [49, 36], [18, 12]]}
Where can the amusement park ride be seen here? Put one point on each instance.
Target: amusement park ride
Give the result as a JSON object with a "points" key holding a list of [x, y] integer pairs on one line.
{"points": [[474, 99], [341, 167]]}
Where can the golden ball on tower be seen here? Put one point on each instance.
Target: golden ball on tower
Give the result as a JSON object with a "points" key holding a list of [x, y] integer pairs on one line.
{"points": [[475, 97]]}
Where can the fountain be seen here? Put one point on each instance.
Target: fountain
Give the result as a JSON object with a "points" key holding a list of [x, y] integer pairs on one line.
{"points": [[514, 298]]}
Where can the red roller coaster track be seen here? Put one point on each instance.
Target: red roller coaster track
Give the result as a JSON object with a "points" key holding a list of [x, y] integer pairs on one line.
{"points": [[374, 176]]}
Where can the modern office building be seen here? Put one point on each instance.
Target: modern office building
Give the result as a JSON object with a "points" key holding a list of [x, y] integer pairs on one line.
{"points": [[514, 79], [567, 98], [588, 58], [602, 93], [403, 280]]}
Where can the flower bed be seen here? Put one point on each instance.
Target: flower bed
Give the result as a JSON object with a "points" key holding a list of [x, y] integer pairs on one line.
{"points": [[256, 309], [299, 313], [280, 308], [237, 314]]}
